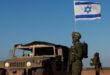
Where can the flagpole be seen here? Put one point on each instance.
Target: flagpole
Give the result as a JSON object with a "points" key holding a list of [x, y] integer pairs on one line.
{"points": [[74, 26]]}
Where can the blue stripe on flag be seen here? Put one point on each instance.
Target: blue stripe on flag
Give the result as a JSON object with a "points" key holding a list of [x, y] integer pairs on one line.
{"points": [[83, 3], [88, 16]]}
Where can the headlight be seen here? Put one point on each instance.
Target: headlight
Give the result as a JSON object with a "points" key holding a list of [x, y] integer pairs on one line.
{"points": [[7, 64], [28, 64]]}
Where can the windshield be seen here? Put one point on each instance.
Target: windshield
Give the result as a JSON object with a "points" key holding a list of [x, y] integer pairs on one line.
{"points": [[21, 52], [44, 51], [35, 51]]}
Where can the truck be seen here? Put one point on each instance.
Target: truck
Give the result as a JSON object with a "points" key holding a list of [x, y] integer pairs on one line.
{"points": [[36, 58]]}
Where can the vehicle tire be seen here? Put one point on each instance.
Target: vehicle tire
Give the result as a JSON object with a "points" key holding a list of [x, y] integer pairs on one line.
{"points": [[38, 71], [46, 73], [2, 72]]}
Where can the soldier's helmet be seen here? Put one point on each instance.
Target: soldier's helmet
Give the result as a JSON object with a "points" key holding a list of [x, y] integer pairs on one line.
{"points": [[76, 34], [97, 54]]}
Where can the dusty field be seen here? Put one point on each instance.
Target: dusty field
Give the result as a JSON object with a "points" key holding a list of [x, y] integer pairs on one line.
{"points": [[85, 72], [92, 72]]}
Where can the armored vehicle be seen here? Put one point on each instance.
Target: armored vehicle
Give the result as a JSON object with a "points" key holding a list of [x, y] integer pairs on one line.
{"points": [[36, 58]]}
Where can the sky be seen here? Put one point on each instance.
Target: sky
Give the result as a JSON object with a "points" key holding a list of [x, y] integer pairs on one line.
{"points": [[24, 21]]}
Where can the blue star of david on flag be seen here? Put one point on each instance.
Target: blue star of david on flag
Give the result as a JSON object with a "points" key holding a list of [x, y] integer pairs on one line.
{"points": [[85, 10]]}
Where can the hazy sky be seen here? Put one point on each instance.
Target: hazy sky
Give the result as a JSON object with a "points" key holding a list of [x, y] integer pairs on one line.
{"points": [[23, 21]]}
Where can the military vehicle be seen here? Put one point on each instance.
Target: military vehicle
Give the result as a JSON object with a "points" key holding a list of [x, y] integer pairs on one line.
{"points": [[36, 58]]}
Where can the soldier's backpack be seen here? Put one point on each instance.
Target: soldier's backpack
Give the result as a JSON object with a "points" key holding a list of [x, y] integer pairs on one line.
{"points": [[85, 49]]}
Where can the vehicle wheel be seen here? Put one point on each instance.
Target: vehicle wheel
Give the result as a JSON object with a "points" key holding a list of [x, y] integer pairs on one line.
{"points": [[38, 71], [45, 73], [2, 72]]}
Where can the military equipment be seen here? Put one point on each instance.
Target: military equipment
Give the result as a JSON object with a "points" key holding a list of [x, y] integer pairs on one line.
{"points": [[76, 34], [85, 49], [73, 54], [36, 58]]}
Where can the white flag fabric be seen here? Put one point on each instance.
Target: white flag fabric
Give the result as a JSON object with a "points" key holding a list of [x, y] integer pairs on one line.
{"points": [[85, 10]]}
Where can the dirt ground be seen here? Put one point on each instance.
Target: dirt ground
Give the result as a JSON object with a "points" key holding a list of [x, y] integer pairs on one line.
{"points": [[92, 72], [86, 72]]}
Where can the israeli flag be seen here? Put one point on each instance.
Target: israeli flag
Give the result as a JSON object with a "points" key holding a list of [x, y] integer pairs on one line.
{"points": [[84, 10]]}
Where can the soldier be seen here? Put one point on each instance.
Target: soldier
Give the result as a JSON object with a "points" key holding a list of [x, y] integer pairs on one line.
{"points": [[96, 62], [77, 54]]}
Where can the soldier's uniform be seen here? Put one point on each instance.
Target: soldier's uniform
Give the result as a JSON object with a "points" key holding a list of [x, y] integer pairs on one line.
{"points": [[96, 62], [77, 54]]}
